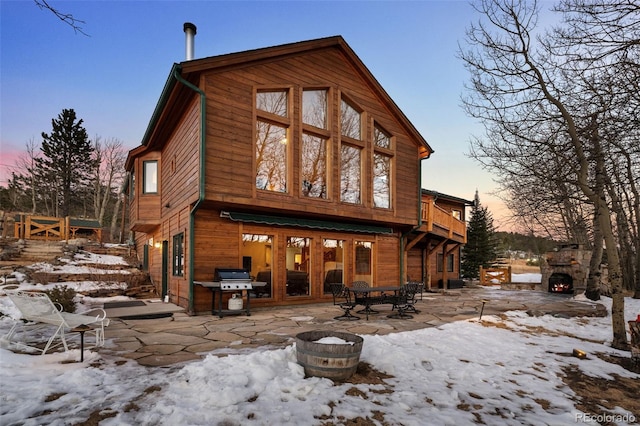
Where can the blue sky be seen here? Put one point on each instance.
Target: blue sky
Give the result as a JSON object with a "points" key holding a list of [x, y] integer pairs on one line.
{"points": [[114, 77]]}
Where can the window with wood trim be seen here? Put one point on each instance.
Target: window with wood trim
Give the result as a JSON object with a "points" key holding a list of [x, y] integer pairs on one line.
{"points": [[364, 261], [315, 139], [333, 263], [351, 148], [298, 266], [178, 255], [272, 139], [150, 177], [382, 167]]}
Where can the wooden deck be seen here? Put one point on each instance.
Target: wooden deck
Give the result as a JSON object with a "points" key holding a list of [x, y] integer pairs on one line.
{"points": [[436, 220]]}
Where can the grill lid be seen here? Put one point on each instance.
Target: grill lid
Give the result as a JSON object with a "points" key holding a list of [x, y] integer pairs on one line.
{"points": [[224, 274]]}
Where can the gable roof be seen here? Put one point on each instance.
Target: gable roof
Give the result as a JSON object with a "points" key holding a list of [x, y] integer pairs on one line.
{"points": [[436, 195], [190, 71]]}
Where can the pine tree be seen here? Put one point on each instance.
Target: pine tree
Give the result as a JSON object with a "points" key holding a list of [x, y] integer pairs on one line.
{"points": [[67, 160], [480, 249]]}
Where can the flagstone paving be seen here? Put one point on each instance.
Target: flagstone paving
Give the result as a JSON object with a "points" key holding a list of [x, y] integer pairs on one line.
{"points": [[182, 338]]}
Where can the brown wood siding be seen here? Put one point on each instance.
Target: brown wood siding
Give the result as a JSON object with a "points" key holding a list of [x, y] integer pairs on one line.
{"points": [[388, 261], [414, 265], [218, 245], [180, 167], [230, 128], [147, 205]]}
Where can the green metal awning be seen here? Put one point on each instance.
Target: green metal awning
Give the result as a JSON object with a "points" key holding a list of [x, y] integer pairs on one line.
{"points": [[305, 223]]}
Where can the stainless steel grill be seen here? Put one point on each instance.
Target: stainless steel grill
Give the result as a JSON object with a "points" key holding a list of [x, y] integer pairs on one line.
{"points": [[232, 279]]}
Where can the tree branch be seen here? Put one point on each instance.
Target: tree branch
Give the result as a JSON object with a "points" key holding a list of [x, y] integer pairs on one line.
{"points": [[67, 18]]}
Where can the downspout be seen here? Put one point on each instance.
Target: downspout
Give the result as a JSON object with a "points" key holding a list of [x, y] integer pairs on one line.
{"points": [[403, 236], [201, 195]]}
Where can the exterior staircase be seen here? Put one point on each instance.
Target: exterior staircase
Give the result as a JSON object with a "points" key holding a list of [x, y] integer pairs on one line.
{"points": [[21, 253], [40, 251]]}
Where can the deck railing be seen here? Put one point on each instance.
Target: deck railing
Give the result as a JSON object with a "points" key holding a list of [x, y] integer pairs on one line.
{"points": [[432, 215]]}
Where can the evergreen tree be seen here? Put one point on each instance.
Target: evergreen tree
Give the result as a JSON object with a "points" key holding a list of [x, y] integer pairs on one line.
{"points": [[67, 159], [480, 249]]}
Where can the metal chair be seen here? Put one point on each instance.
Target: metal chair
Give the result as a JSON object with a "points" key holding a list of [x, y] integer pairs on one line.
{"points": [[413, 288], [401, 303], [342, 298]]}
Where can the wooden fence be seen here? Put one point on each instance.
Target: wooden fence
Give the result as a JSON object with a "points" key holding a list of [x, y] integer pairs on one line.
{"points": [[50, 228], [493, 276]]}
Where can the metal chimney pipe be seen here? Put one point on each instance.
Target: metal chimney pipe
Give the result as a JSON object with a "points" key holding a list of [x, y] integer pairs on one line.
{"points": [[190, 32]]}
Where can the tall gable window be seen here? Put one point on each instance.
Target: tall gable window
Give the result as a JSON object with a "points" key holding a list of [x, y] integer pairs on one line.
{"points": [[272, 129], [382, 160], [315, 137], [350, 153], [150, 177]]}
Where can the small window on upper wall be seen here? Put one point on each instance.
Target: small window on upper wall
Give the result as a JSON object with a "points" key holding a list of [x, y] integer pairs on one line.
{"points": [[275, 102], [314, 108], [350, 121], [381, 138], [150, 177]]}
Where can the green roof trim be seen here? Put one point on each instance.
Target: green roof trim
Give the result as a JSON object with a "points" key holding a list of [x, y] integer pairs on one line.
{"points": [[84, 223], [306, 223]]}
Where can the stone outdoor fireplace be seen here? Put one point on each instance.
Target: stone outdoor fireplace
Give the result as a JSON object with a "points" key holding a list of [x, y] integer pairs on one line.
{"points": [[566, 270]]}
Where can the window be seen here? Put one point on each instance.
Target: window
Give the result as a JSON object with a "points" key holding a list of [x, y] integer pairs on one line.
{"points": [[350, 121], [271, 157], [381, 180], [450, 262], [314, 108], [364, 261], [314, 166], [439, 262], [150, 177], [274, 102], [381, 138], [271, 145], [350, 153], [457, 214], [333, 258], [382, 161], [350, 174], [298, 263], [178, 255], [132, 186], [315, 135], [257, 255]]}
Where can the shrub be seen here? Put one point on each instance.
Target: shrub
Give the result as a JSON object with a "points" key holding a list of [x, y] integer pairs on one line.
{"points": [[64, 296]]}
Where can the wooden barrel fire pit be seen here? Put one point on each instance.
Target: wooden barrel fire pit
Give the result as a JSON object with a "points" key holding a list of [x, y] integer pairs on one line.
{"points": [[331, 354]]}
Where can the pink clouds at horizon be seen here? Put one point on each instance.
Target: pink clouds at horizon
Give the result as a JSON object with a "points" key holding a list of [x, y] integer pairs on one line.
{"points": [[9, 158]]}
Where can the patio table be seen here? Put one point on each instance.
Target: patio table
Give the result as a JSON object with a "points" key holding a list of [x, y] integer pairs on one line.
{"points": [[364, 297]]}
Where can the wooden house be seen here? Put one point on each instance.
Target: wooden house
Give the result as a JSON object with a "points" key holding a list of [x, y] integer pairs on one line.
{"points": [[433, 248], [290, 161]]}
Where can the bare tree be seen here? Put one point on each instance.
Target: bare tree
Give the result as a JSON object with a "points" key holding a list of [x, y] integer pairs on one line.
{"points": [[539, 106], [109, 157], [67, 18]]}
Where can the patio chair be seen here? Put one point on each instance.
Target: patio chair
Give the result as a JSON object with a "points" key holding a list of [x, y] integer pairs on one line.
{"points": [[39, 312], [413, 288], [402, 304], [359, 284], [342, 298]]}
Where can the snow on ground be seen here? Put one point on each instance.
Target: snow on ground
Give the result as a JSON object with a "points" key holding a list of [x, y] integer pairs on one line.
{"points": [[462, 373]]}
